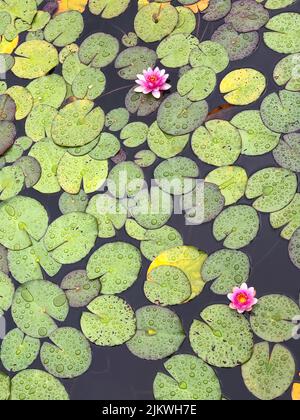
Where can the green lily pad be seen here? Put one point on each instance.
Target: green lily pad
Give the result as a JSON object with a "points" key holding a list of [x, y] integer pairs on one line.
{"points": [[34, 59], [273, 318], [98, 50], [48, 90], [11, 182], [278, 4], [134, 134], [70, 203], [159, 333], [117, 119], [186, 21], [287, 218], [111, 215], [74, 172], [7, 137], [108, 9], [70, 354], [31, 170], [175, 50], [227, 269], [238, 45], [79, 290], [232, 181], [72, 67], [77, 124], [177, 176], [117, 266], [164, 145], [283, 34], [197, 84], [217, 9], [130, 39], [125, 179], [190, 380], [48, 156], [133, 61], [4, 387], [272, 188], [157, 241], [71, 237], [36, 385], [257, 139], [223, 338], [145, 158], [247, 15], [269, 374], [243, 86], [237, 226], [7, 108], [285, 74], [210, 54], [3, 260], [107, 147], [281, 112], [287, 153], [7, 291], [21, 219], [153, 22], [64, 28], [38, 123], [89, 84], [178, 115], [140, 104], [110, 322], [218, 143], [294, 248], [36, 307], [27, 264], [167, 286], [18, 351], [23, 100]]}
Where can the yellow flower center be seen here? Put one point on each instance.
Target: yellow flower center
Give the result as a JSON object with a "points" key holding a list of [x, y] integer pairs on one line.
{"points": [[242, 298]]}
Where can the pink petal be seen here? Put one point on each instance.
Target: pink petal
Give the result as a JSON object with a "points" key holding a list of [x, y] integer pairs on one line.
{"points": [[244, 286], [139, 89], [156, 94], [166, 86]]}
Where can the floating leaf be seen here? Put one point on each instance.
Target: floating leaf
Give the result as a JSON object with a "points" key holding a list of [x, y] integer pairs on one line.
{"points": [[223, 338], [134, 134], [117, 119], [39, 122], [294, 248], [237, 226], [133, 61], [165, 145], [191, 380], [79, 290], [4, 387], [197, 84], [210, 54], [287, 153], [286, 72], [37, 305], [31, 170], [156, 241], [283, 36], [48, 90], [227, 269], [18, 351], [23, 100], [273, 319], [287, 218], [186, 21], [145, 158], [7, 135], [107, 147], [218, 143], [116, 265], [6, 293], [108, 9], [140, 104], [273, 189], [70, 354], [11, 182], [159, 333], [125, 179], [269, 374], [64, 28], [110, 322], [70, 203], [3, 260], [217, 9], [98, 50], [175, 50], [71, 237], [247, 15], [65, 5]]}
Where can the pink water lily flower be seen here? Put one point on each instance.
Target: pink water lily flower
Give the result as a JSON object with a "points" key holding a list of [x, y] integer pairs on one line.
{"points": [[152, 81], [243, 298]]}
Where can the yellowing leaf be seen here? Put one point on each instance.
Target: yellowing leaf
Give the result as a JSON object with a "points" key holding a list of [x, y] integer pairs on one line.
{"points": [[66, 5], [296, 392], [7, 47], [200, 6], [189, 260]]}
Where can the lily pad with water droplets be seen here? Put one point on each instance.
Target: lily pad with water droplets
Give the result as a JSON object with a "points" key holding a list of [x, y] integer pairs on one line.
{"points": [[3, 260], [7, 291], [189, 260], [108, 9], [190, 380], [223, 338], [71, 237], [159, 333], [116, 265], [140, 104], [283, 33], [186, 21], [64, 29], [247, 15], [217, 9], [117, 119], [11, 182], [70, 203], [107, 146], [227, 269], [273, 318], [218, 143], [89, 84], [36, 385], [133, 61], [210, 54], [237, 226], [287, 153], [272, 188], [175, 50], [110, 322], [98, 50], [287, 218], [134, 134], [269, 373], [294, 248], [257, 139], [232, 182], [79, 290], [39, 122], [7, 135], [164, 145], [154, 22], [197, 84], [36, 307], [21, 219], [68, 356], [157, 241], [243, 86], [34, 59], [285, 73], [48, 90], [18, 351], [23, 100], [125, 180]]}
